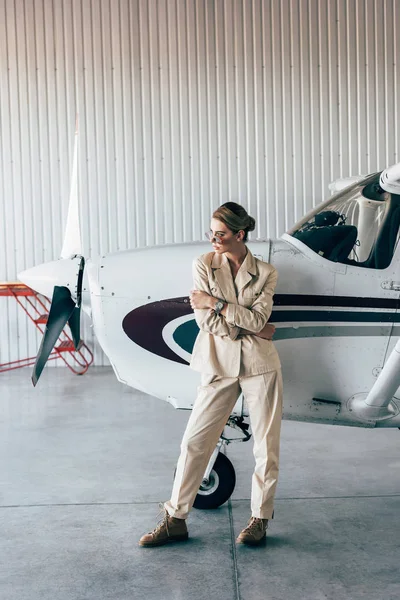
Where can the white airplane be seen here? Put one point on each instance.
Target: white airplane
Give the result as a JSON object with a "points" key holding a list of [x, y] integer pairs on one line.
{"points": [[336, 311]]}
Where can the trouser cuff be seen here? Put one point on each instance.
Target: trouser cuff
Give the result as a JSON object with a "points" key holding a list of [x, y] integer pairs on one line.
{"points": [[263, 514], [177, 514]]}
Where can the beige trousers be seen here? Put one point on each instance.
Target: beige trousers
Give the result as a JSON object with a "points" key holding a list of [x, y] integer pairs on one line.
{"points": [[216, 398]]}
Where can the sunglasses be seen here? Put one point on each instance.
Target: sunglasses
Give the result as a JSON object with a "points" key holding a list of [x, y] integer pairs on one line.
{"points": [[213, 238]]}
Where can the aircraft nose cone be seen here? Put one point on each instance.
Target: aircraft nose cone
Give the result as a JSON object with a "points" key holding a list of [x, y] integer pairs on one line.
{"points": [[43, 278], [36, 275]]}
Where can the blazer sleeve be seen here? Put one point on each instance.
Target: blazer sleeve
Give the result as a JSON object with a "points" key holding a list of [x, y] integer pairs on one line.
{"points": [[206, 318], [254, 318]]}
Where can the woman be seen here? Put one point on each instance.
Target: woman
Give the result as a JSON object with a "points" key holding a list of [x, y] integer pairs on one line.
{"points": [[232, 302]]}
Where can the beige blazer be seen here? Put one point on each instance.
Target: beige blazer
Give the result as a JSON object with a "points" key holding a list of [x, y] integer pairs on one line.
{"points": [[221, 347]]}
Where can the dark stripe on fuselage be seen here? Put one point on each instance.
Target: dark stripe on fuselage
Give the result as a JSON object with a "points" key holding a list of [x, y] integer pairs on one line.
{"points": [[185, 334], [332, 331], [283, 316], [335, 301], [144, 325]]}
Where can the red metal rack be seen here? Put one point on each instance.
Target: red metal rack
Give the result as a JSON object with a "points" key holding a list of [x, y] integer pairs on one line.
{"points": [[37, 308]]}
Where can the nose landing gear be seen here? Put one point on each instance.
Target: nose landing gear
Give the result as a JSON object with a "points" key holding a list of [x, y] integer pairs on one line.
{"points": [[219, 486], [219, 478]]}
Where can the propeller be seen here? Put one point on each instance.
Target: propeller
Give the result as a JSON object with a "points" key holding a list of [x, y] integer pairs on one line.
{"points": [[63, 310], [65, 307]]}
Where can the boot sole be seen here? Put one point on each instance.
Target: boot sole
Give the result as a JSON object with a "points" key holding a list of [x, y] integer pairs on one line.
{"points": [[180, 538], [252, 543]]}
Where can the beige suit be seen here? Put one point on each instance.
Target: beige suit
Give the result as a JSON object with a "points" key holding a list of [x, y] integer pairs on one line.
{"points": [[232, 361], [221, 348]]}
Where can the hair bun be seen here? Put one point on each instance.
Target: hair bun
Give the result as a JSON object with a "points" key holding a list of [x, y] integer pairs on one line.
{"points": [[252, 224], [235, 218]]}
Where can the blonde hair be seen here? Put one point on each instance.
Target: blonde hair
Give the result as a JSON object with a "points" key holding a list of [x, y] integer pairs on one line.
{"points": [[235, 218]]}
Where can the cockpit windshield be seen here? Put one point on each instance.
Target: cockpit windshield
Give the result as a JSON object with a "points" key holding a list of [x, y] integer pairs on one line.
{"points": [[359, 226]]}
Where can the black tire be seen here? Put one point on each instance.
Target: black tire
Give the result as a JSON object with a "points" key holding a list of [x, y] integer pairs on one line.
{"points": [[221, 485]]}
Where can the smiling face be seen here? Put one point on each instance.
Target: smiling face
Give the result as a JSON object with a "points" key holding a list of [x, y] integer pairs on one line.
{"points": [[228, 241]]}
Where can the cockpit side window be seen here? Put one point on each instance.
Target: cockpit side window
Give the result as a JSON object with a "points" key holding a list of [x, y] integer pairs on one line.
{"points": [[359, 227]]}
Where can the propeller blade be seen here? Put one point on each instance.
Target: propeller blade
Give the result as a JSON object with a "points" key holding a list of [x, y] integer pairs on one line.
{"points": [[74, 323], [62, 307], [72, 236]]}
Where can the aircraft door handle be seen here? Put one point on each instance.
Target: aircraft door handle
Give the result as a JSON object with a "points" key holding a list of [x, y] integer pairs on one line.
{"points": [[391, 285]]}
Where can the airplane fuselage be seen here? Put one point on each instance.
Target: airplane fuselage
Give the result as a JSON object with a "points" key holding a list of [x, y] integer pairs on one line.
{"points": [[335, 325]]}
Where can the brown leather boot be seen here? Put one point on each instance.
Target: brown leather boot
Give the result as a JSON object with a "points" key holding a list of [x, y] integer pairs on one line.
{"points": [[254, 533], [169, 529]]}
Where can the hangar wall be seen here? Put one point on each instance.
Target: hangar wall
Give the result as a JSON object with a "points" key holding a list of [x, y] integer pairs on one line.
{"points": [[183, 104]]}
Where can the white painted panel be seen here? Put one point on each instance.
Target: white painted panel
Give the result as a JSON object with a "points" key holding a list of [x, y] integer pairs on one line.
{"points": [[183, 104]]}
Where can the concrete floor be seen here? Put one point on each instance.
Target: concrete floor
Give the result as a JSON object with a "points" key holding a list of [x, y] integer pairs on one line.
{"points": [[84, 462]]}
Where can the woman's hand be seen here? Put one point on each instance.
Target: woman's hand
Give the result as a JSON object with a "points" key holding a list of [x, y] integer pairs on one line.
{"points": [[200, 299], [267, 332]]}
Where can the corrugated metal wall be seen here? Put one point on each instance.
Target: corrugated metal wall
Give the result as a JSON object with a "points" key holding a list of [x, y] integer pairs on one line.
{"points": [[183, 104]]}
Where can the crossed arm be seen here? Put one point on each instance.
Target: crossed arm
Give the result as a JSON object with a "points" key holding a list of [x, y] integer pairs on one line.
{"points": [[235, 320], [202, 300]]}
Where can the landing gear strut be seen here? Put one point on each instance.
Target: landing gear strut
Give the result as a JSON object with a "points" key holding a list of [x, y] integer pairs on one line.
{"points": [[219, 478], [218, 488]]}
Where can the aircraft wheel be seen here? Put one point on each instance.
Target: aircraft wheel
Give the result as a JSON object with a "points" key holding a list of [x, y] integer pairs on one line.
{"points": [[220, 486]]}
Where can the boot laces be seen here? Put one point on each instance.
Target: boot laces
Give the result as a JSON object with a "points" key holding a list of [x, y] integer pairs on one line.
{"points": [[161, 521], [255, 524]]}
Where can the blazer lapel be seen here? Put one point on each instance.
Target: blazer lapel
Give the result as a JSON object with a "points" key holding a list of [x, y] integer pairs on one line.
{"points": [[223, 275], [247, 270]]}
